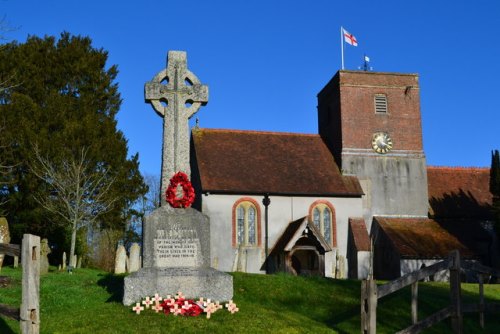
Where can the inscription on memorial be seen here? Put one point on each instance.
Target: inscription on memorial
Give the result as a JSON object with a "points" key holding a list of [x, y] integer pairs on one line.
{"points": [[176, 248]]}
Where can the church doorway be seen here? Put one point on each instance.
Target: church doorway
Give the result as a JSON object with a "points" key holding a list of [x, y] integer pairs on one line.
{"points": [[300, 250], [306, 261]]}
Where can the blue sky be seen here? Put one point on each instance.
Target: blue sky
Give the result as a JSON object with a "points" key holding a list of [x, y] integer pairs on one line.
{"points": [[265, 61]]}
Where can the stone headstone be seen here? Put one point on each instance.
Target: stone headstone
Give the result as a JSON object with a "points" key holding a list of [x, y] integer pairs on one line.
{"points": [[120, 260], [135, 258], [73, 261], [44, 260], [79, 262], [176, 242], [4, 236], [64, 261], [340, 267]]}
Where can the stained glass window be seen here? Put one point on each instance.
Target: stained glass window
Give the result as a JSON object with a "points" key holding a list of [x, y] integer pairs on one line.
{"points": [[246, 224], [241, 224], [323, 219], [251, 225]]}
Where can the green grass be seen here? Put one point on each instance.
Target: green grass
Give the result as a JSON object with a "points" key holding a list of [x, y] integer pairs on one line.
{"points": [[89, 301]]}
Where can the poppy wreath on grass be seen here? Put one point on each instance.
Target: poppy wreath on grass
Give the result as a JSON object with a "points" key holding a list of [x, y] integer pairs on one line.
{"points": [[180, 183]]}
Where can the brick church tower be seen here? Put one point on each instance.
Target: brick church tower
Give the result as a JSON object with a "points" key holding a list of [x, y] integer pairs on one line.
{"points": [[371, 122]]}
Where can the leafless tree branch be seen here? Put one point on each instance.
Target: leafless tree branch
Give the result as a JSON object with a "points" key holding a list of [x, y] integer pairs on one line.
{"points": [[77, 193]]}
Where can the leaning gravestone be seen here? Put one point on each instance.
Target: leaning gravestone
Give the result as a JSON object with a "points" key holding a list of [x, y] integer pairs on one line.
{"points": [[176, 241], [44, 260], [120, 260], [4, 236], [63, 261]]}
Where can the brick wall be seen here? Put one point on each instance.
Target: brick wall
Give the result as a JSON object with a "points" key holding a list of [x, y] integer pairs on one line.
{"points": [[359, 119], [352, 122]]}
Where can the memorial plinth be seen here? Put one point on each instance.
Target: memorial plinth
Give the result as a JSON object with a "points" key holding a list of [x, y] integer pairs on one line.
{"points": [[177, 258]]}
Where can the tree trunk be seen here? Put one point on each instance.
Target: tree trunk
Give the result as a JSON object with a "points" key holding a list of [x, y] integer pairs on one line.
{"points": [[73, 243]]}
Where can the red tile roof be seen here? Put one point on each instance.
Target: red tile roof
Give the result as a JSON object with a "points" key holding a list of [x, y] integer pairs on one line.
{"points": [[420, 238], [360, 234], [459, 192], [291, 231], [252, 162]]}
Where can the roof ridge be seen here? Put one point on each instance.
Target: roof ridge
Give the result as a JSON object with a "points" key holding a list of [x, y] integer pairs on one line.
{"points": [[458, 168], [259, 132]]}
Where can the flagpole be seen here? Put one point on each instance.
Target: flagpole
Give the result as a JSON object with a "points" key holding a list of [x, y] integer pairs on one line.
{"points": [[342, 44]]}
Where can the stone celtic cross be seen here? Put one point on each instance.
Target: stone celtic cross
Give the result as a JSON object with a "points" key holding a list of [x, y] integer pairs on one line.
{"points": [[176, 94]]}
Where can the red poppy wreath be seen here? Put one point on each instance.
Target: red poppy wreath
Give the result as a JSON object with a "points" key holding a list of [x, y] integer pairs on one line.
{"points": [[180, 192]]}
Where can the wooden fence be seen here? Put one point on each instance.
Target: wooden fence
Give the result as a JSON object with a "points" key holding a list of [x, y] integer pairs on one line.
{"points": [[370, 293], [29, 312]]}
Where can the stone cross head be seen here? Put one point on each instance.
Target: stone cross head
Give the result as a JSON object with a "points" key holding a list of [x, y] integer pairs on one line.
{"points": [[176, 94]]}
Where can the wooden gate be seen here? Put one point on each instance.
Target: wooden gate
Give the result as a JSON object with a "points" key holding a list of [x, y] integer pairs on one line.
{"points": [[370, 293]]}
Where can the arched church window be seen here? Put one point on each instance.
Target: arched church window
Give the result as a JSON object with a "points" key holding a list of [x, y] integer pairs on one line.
{"points": [[322, 215], [246, 223]]}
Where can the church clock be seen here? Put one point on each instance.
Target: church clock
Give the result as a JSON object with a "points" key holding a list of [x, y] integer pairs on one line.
{"points": [[381, 142]]}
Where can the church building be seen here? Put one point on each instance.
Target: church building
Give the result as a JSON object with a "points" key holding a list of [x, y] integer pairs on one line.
{"points": [[330, 203]]}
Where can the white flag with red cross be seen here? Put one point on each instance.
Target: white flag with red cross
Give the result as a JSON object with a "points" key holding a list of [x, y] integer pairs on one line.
{"points": [[349, 38]]}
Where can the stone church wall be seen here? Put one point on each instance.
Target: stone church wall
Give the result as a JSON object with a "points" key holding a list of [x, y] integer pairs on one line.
{"points": [[392, 185], [282, 211]]}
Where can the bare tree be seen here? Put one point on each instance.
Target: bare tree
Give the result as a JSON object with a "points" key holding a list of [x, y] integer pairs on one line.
{"points": [[147, 203], [152, 198], [77, 192]]}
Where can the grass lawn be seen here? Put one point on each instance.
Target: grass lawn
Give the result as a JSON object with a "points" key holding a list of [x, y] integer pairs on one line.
{"points": [[89, 301]]}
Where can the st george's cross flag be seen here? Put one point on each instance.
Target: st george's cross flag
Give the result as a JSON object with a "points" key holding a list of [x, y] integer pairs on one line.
{"points": [[349, 38]]}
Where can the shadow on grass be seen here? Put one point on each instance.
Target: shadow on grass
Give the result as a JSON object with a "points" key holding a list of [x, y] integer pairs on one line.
{"points": [[5, 328], [347, 316], [113, 285]]}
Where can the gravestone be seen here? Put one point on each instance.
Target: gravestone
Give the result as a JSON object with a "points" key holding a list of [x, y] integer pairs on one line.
{"points": [[134, 258], [120, 260], [4, 236], [176, 241], [44, 252], [64, 261]]}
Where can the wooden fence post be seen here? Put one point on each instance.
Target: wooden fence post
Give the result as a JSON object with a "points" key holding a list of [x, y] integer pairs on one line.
{"points": [[30, 261], [369, 306], [414, 303], [456, 293], [481, 300], [364, 307]]}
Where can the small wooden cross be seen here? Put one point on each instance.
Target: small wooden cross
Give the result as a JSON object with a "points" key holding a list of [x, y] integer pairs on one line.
{"points": [[147, 302], [175, 310], [231, 307], [209, 309], [157, 298], [157, 308], [179, 295], [186, 305], [138, 308]]}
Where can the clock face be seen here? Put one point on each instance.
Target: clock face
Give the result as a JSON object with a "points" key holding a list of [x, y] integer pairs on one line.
{"points": [[381, 142]]}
